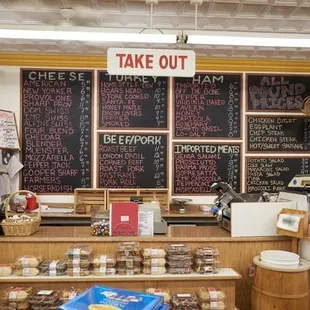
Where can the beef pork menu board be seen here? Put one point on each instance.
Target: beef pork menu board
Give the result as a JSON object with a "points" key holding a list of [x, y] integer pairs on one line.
{"points": [[278, 134], [207, 105], [56, 129], [131, 161], [132, 101], [273, 174], [197, 166], [8, 131], [277, 92]]}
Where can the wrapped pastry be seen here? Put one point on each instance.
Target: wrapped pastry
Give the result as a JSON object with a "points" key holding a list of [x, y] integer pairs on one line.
{"points": [[128, 261], [206, 261], [210, 294], [81, 251], [213, 305], [154, 252], [5, 270], [17, 305], [207, 251], [104, 271], [44, 297], [188, 300], [29, 261], [27, 272], [129, 248], [69, 294], [104, 261], [164, 292], [205, 269], [53, 268], [17, 293], [154, 262], [178, 258], [184, 270], [78, 262], [129, 271], [78, 272], [154, 270], [179, 264], [178, 249]]}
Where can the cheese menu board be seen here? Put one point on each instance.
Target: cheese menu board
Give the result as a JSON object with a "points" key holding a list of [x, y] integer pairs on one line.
{"points": [[132, 101], [278, 133], [197, 166], [276, 92], [8, 131], [208, 105], [132, 160], [273, 174], [56, 129]]}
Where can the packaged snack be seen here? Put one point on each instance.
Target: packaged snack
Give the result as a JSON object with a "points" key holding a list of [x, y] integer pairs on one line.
{"points": [[44, 297], [129, 271], [104, 261], [17, 305], [213, 305], [17, 293], [154, 252], [210, 294], [184, 270], [164, 292], [128, 261], [53, 268], [179, 264], [81, 251], [78, 272], [178, 249], [129, 248], [104, 271], [27, 272], [154, 270], [179, 257], [5, 270], [69, 294], [154, 262], [184, 300], [29, 261], [207, 251], [205, 269], [78, 262], [206, 261]]}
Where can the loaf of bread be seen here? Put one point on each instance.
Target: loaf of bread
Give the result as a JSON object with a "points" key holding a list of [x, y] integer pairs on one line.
{"points": [[5, 270], [15, 293], [29, 261], [210, 294], [27, 272], [104, 261], [154, 252]]}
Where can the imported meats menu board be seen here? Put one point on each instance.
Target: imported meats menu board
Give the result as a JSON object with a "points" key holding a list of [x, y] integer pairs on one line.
{"points": [[276, 92], [56, 116], [208, 105], [273, 174], [132, 101], [197, 166], [131, 161], [278, 133]]}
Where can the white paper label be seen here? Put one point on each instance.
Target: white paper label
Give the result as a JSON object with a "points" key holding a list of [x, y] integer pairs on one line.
{"points": [[76, 252], [45, 292], [52, 273], [177, 245], [72, 294], [103, 260], [154, 270], [53, 264], [13, 295], [103, 270], [212, 293], [129, 272], [125, 218], [76, 262], [76, 271], [25, 262], [154, 262], [26, 272], [184, 295], [213, 305]]}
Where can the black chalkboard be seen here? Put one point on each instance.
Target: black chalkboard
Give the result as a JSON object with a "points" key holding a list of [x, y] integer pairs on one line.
{"points": [[278, 133], [131, 161], [276, 92], [132, 101], [208, 105], [273, 174], [197, 166], [56, 119]]}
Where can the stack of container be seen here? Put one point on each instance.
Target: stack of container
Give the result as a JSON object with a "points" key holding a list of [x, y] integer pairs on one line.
{"points": [[154, 261], [16, 297], [179, 259], [79, 260], [28, 265], [128, 258], [211, 299], [103, 265], [206, 260]]}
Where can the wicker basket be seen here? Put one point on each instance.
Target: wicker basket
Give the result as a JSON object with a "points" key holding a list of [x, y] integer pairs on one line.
{"points": [[21, 229]]}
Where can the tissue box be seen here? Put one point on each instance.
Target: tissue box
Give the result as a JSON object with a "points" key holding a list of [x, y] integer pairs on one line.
{"points": [[102, 297]]}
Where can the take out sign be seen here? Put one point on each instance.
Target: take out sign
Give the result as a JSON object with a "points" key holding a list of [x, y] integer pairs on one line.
{"points": [[152, 62]]}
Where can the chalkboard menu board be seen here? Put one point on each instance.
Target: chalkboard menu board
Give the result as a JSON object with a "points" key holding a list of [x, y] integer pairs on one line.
{"points": [[132, 101], [207, 105], [278, 133], [277, 92], [197, 166], [56, 126], [273, 174], [131, 161], [8, 130]]}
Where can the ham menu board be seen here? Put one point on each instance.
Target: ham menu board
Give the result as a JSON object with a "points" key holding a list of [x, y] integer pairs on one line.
{"points": [[273, 174], [132, 101], [278, 133], [56, 129], [207, 105], [277, 92], [197, 166], [131, 161]]}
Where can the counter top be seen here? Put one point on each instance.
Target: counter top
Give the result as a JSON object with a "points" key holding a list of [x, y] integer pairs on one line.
{"points": [[175, 234]]}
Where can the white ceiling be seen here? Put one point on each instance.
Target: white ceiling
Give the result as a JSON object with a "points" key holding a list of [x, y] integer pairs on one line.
{"points": [[270, 16]]}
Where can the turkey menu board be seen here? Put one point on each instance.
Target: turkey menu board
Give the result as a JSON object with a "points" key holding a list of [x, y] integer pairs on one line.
{"points": [[131, 161], [278, 134], [273, 174], [277, 92], [132, 101], [207, 105], [56, 126], [197, 166]]}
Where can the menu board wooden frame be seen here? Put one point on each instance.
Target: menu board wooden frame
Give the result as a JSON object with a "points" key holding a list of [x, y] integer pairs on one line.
{"points": [[247, 74], [132, 133], [16, 138], [210, 142], [169, 85], [270, 151], [91, 120], [207, 137]]}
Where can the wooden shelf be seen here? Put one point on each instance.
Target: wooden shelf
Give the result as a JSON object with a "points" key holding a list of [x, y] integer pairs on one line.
{"points": [[223, 274]]}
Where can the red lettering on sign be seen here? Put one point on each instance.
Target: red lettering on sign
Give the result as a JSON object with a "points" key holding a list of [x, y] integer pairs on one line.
{"points": [[121, 56]]}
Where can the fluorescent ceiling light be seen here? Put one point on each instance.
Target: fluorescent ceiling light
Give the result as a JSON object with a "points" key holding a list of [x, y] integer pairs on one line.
{"points": [[87, 36], [249, 39]]}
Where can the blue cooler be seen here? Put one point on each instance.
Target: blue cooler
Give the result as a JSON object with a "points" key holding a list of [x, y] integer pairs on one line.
{"points": [[99, 296]]}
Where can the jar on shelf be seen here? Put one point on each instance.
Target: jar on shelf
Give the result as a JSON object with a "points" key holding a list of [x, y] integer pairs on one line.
{"points": [[100, 223]]}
